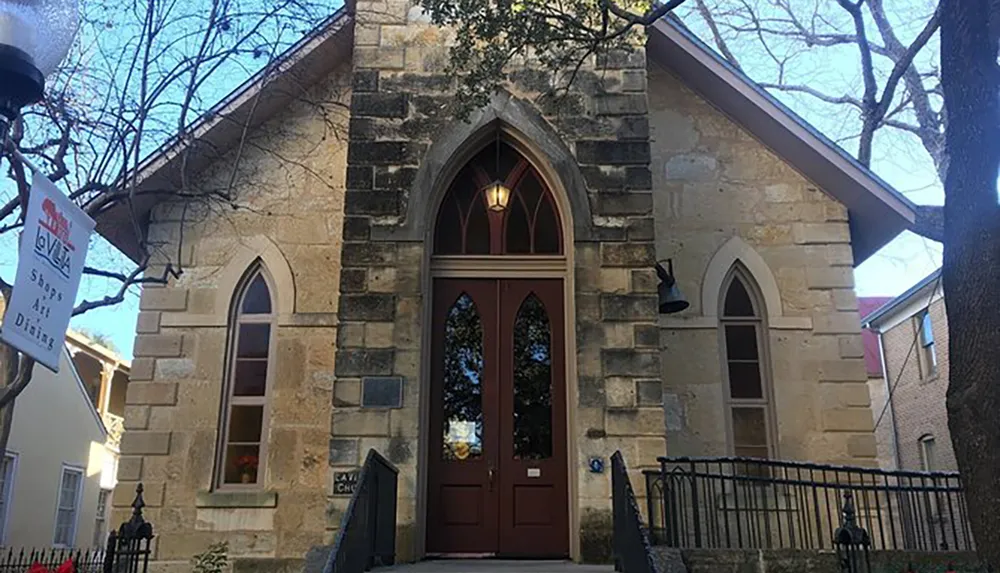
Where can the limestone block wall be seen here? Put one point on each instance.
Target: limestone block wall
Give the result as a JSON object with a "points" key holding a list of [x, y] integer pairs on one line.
{"points": [[712, 182], [288, 184], [400, 117]]}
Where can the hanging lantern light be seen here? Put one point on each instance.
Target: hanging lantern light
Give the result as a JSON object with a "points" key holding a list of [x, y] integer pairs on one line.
{"points": [[35, 35], [497, 194]]}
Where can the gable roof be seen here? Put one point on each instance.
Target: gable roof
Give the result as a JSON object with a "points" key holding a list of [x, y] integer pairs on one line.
{"points": [[216, 131], [877, 212]]}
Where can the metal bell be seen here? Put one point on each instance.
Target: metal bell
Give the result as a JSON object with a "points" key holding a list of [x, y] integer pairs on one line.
{"points": [[670, 298]]}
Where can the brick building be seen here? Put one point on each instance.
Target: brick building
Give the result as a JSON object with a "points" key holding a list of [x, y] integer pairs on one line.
{"points": [[381, 293], [877, 388], [913, 333]]}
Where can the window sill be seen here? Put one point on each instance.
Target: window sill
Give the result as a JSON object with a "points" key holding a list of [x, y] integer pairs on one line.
{"points": [[220, 499]]}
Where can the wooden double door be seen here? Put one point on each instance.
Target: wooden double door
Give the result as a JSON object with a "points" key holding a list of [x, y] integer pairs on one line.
{"points": [[497, 477]]}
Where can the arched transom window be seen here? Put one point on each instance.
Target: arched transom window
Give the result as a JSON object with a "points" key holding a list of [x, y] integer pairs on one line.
{"points": [[528, 225], [243, 427], [744, 342]]}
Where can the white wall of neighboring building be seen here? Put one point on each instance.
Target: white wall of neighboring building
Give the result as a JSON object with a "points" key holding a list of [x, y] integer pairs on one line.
{"points": [[55, 425]]}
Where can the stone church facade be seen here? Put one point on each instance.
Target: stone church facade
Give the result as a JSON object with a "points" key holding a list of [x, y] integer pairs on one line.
{"points": [[371, 295]]}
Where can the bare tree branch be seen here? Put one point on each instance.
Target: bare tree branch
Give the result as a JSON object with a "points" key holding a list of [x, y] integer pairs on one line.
{"points": [[720, 42]]}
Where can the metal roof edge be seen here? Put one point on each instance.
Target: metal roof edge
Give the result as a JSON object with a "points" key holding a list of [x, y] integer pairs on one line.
{"points": [[886, 310]]}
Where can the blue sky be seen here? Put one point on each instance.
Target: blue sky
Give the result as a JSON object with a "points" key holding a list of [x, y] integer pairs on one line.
{"points": [[898, 159]]}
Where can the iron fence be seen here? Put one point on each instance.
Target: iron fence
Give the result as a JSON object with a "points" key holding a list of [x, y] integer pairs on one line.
{"points": [[732, 502], [367, 536], [127, 551], [20, 560], [630, 540]]}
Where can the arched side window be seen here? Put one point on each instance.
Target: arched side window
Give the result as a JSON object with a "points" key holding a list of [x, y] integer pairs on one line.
{"points": [[527, 225], [249, 367], [744, 352], [927, 462]]}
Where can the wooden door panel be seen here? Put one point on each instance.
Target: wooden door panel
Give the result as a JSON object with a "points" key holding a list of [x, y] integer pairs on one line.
{"points": [[534, 502], [532, 505], [508, 493], [462, 503]]}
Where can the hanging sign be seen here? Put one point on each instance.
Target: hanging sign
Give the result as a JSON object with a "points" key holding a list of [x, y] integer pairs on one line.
{"points": [[50, 261]]}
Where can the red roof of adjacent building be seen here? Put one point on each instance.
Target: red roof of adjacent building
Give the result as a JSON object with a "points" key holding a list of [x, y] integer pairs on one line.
{"points": [[866, 306]]}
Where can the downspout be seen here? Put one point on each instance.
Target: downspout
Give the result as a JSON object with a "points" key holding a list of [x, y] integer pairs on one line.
{"points": [[888, 397]]}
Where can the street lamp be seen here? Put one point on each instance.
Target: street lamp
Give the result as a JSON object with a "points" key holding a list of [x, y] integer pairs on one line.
{"points": [[35, 35]]}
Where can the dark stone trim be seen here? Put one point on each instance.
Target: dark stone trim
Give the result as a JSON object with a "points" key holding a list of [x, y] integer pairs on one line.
{"points": [[453, 147]]}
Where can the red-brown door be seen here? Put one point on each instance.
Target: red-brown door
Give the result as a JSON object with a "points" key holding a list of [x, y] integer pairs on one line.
{"points": [[498, 475]]}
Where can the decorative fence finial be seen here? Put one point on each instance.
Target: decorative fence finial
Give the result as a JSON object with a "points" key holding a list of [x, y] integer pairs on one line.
{"points": [[852, 542], [138, 503], [137, 527]]}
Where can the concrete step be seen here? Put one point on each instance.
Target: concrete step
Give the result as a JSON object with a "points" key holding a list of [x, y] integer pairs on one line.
{"points": [[495, 566]]}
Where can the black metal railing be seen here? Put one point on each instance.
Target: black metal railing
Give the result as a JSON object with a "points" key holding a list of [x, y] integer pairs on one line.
{"points": [[733, 502], [21, 560], [630, 544], [367, 536], [127, 551]]}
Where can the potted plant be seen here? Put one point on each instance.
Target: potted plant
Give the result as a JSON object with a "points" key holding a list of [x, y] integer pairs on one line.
{"points": [[248, 468]]}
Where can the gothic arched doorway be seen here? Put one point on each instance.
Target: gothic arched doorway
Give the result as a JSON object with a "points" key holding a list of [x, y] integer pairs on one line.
{"points": [[497, 463]]}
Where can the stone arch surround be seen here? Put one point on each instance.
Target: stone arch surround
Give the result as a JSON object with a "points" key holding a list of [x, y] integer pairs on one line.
{"points": [[527, 132]]}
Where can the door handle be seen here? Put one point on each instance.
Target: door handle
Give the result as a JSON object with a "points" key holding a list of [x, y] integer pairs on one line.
{"points": [[490, 473]]}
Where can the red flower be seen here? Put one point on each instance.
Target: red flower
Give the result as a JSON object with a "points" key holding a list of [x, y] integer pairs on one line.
{"points": [[66, 567], [245, 463]]}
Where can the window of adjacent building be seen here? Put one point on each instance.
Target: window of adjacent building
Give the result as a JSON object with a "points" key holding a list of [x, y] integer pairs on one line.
{"points": [[928, 464], [927, 453], [70, 488], [6, 490], [101, 517], [244, 415], [748, 400], [928, 351]]}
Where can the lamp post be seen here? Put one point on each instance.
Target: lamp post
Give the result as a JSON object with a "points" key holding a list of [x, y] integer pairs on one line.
{"points": [[35, 35]]}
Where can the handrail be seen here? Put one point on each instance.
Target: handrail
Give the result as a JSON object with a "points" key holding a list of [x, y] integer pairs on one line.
{"points": [[803, 465], [630, 539], [367, 536], [752, 503]]}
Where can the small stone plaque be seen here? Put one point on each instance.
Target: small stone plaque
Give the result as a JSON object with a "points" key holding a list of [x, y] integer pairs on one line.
{"points": [[344, 483], [381, 392]]}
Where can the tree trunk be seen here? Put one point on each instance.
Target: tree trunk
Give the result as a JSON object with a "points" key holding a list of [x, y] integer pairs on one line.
{"points": [[971, 84], [9, 365]]}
